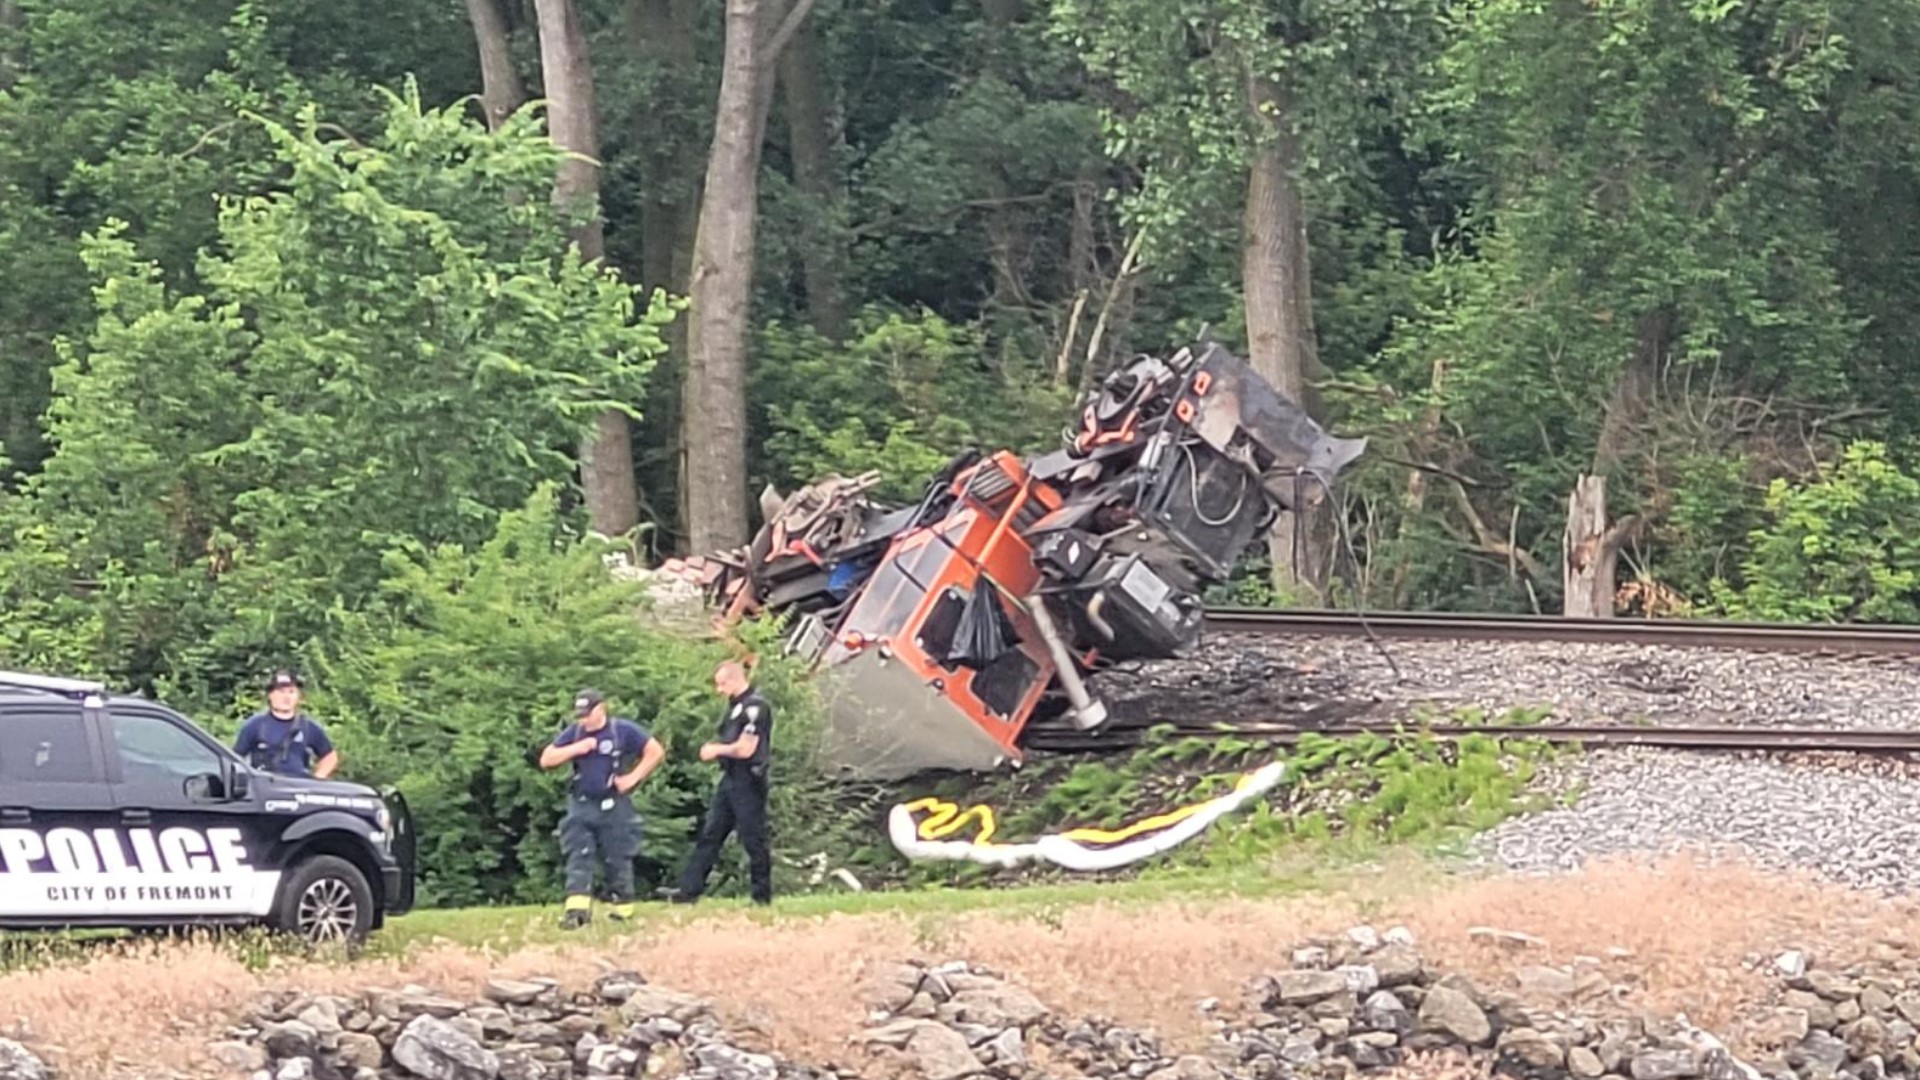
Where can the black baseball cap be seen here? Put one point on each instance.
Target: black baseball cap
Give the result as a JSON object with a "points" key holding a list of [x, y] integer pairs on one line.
{"points": [[281, 679], [585, 700]]}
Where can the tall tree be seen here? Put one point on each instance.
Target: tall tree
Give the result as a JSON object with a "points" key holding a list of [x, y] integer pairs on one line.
{"points": [[388, 354], [502, 90], [606, 457], [664, 130], [1653, 248], [1213, 101], [1276, 285], [814, 145], [13, 24], [714, 404]]}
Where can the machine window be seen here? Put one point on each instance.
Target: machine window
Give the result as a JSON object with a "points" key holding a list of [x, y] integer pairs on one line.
{"points": [[152, 749], [1002, 685], [45, 748], [937, 629], [890, 600]]}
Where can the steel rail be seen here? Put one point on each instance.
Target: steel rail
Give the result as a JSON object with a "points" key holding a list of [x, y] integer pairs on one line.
{"points": [[1844, 639], [1857, 740]]}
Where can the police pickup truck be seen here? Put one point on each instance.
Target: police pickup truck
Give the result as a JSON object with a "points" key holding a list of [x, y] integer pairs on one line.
{"points": [[118, 812]]}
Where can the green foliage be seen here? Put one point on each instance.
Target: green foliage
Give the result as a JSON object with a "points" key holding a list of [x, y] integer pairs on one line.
{"points": [[468, 669], [390, 351], [1361, 791], [1633, 206], [1411, 789], [902, 395], [1715, 508], [273, 386], [1184, 69], [1842, 548], [1093, 794], [123, 110]]}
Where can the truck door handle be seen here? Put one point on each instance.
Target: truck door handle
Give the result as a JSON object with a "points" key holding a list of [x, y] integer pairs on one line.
{"points": [[15, 815], [136, 817]]}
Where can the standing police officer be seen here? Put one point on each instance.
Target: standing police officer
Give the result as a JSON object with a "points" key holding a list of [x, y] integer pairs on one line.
{"points": [[740, 802], [600, 815], [282, 739]]}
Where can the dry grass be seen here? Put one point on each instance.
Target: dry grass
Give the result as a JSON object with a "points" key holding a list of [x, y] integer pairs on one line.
{"points": [[1147, 964]]}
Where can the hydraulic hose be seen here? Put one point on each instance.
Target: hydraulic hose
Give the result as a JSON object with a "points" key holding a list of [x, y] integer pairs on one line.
{"points": [[919, 840]]}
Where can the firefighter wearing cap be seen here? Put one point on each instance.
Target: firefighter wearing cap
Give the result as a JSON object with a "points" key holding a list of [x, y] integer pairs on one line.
{"points": [[283, 739], [600, 818]]}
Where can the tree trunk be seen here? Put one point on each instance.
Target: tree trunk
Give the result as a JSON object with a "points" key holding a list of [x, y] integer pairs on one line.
{"points": [[606, 456], [502, 90], [714, 416], [1008, 225], [13, 24], [1001, 12], [816, 173], [1590, 553], [1590, 548], [1275, 278], [1083, 270], [1083, 266], [679, 341], [661, 33]]}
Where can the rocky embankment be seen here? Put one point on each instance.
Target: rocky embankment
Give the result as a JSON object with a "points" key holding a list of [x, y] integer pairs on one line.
{"points": [[1363, 1004]]}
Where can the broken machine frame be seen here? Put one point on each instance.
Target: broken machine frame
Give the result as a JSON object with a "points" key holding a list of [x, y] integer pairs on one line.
{"points": [[940, 630]]}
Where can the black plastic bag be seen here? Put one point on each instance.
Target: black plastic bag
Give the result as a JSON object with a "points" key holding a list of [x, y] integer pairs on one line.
{"points": [[985, 632]]}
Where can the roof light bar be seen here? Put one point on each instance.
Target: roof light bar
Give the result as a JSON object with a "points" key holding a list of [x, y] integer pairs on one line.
{"points": [[69, 687]]}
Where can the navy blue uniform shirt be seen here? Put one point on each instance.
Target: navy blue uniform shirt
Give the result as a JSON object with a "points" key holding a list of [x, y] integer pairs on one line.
{"points": [[619, 744], [287, 747]]}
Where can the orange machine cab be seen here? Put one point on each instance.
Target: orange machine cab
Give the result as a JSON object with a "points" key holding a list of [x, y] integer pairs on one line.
{"points": [[914, 603]]}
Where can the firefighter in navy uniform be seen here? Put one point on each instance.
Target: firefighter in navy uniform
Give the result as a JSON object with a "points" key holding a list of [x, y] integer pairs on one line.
{"points": [[283, 739], [740, 802], [600, 818]]}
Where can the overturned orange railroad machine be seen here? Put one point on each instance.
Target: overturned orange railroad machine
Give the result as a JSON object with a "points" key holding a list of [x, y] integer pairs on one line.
{"points": [[940, 630]]}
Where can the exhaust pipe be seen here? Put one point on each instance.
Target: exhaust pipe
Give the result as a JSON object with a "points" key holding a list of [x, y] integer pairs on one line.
{"points": [[1087, 713]]}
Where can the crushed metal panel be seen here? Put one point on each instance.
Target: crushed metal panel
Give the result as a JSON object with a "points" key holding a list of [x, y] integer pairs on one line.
{"points": [[1237, 398], [885, 723]]}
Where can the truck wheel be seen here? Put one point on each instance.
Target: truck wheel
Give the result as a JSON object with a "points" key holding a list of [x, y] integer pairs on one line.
{"points": [[325, 898]]}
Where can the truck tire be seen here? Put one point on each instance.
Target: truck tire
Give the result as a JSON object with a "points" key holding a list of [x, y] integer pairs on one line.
{"points": [[325, 899]]}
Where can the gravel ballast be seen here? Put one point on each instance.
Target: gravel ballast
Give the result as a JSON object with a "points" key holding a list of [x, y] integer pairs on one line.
{"points": [[1854, 826], [1326, 679], [1851, 819]]}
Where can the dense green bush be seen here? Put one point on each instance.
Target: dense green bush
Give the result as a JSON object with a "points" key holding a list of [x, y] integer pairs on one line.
{"points": [[451, 692], [902, 396], [1843, 548], [391, 350]]}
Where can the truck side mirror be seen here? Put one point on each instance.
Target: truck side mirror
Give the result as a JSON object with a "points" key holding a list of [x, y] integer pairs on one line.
{"points": [[205, 787]]}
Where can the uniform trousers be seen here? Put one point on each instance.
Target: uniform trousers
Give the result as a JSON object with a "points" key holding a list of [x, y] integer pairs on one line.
{"points": [[608, 827], [739, 803]]}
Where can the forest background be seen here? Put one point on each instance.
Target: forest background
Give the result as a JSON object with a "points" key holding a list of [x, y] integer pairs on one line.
{"points": [[355, 336]]}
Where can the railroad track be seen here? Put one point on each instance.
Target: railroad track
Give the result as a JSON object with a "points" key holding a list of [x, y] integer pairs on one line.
{"points": [[1812, 638], [1049, 739], [1335, 719]]}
